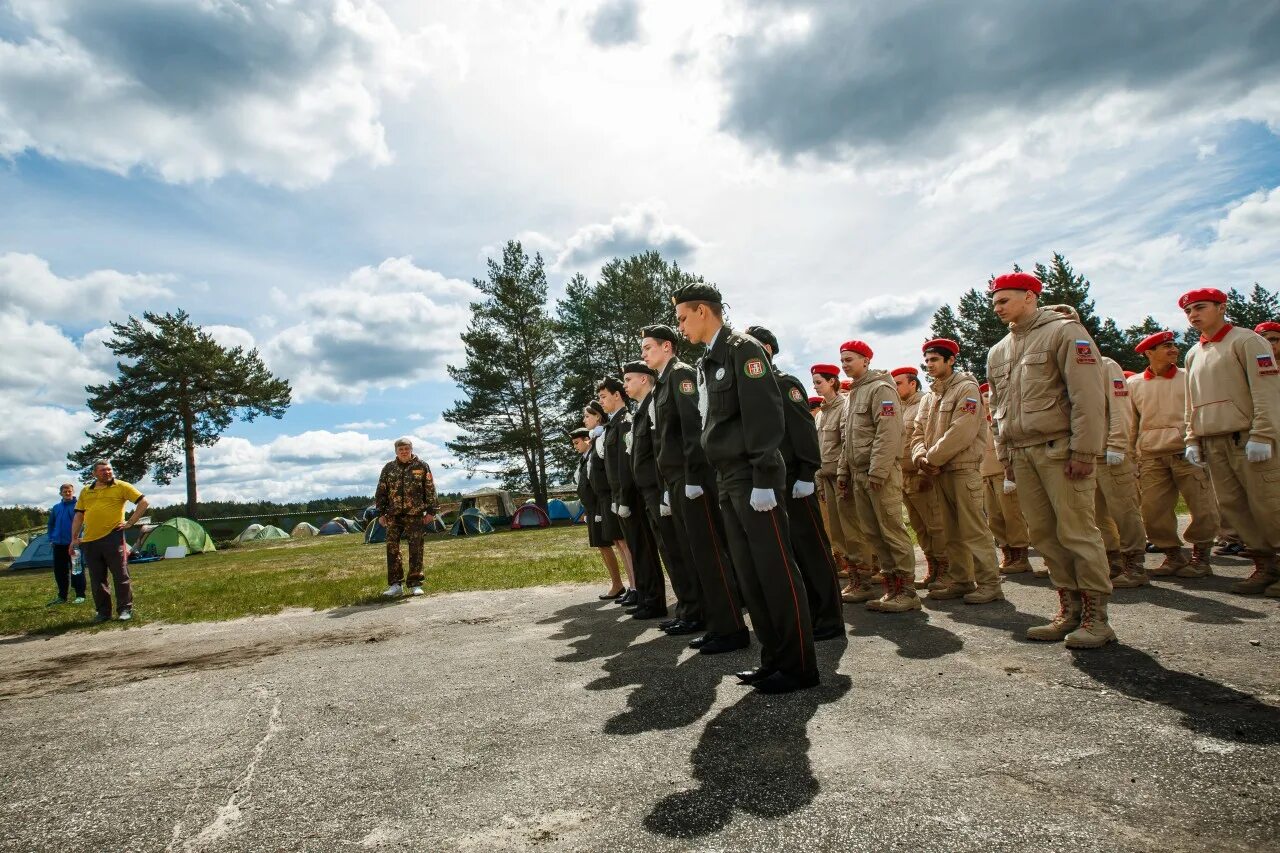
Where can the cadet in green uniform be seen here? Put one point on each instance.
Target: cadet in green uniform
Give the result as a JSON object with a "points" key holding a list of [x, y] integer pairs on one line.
{"points": [[650, 591], [406, 502], [741, 430], [691, 493], [802, 458]]}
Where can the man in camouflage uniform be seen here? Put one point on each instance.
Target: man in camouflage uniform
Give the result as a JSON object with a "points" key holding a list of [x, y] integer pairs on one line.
{"points": [[917, 488], [406, 504]]}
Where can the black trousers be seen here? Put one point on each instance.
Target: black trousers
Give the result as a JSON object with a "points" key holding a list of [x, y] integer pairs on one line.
{"points": [[651, 591], [771, 584], [700, 527], [683, 582], [812, 550], [62, 572]]}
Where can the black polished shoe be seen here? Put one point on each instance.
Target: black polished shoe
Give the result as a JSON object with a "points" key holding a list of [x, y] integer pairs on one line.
{"points": [[730, 643], [644, 611], [629, 598], [611, 597], [780, 682], [668, 623], [828, 633], [751, 676], [681, 628], [699, 642]]}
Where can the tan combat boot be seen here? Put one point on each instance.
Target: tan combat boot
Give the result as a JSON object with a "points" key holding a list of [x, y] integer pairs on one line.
{"points": [[1272, 591], [1174, 559], [1041, 573], [1006, 556], [904, 597], [1094, 631], [944, 566], [956, 589], [1115, 560], [842, 567], [985, 594], [1134, 575], [1199, 566], [887, 585], [1064, 622], [930, 572], [1264, 575], [1018, 562], [859, 588]]}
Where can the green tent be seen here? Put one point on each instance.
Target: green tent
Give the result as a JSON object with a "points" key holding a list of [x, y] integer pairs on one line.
{"points": [[11, 548], [470, 522], [176, 531], [268, 532]]}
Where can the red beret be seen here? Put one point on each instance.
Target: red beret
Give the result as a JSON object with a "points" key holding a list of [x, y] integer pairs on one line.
{"points": [[1269, 326], [942, 343], [815, 401], [826, 369], [1015, 281], [904, 371], [856, 346], [1155, 340], [984, 388], [1204, 294], [846, 384]]}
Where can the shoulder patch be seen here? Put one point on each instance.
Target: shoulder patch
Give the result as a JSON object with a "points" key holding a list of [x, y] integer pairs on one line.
{"points": [[1267, 366], [887, 409], [754, 368], [686, 386], [796, 395], [1084, 353], [1118, 388], [970, 406]]}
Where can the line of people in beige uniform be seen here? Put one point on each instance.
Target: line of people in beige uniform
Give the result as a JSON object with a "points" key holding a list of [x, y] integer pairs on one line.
{"points": [[1061, 451]]}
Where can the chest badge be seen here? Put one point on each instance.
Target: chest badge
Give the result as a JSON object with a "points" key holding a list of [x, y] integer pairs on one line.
{"points": [[686, 386], [720, 373], [754, 368]]}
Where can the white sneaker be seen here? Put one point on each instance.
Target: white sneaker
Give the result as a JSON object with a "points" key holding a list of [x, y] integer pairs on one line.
{"points": [[126, 616], [79, 600], [417, 590], [393, 590]]}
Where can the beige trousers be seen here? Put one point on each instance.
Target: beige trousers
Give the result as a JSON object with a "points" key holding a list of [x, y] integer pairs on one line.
{"points": [[1004, 515], [924, 511], [842, 522], [1248, 492], [973, 560], [880, 517], [1116, 508], [1162, 479]]}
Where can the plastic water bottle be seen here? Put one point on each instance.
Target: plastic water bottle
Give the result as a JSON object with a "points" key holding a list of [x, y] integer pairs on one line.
{"points": [[77, 564]]}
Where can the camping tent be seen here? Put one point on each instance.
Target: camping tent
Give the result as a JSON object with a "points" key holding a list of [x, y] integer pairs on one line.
{"points": [[351, 524], [494, 503], [250, 532], [576, 509], [176, 531], [470, 522], [375, 533], [11, 547], [302, 529], [332, 528], [558, 510], [37, 555], [270, 532], [529, 515]]}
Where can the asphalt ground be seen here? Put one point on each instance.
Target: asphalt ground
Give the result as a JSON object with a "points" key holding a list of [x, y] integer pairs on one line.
{"points": [[542, 719]]}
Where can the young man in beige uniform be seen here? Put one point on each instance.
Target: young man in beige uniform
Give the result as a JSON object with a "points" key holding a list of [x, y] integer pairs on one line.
{"points": [[1271, 331], [847, 541], [1000, 502], [1048, 402], [922, 500], [947, 440], [870, 470], [1159, 397], [1233, 417]]}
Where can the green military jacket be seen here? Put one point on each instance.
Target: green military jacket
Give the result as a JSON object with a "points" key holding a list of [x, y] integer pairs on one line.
{"points": [[406, 489]]}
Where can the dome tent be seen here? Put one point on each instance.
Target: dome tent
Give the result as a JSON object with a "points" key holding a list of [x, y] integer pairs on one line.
{"points": [[249, 533], [529, 515], [176, 531], [37, 555], [11, 548], [269, 532], [471, 522], [332, 528], [375, 533], [302, 530], [558, 510]]}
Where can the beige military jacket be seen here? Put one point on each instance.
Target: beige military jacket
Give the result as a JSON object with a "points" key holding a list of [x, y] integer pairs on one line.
{"points": [[990, 462], [910, 409], [831, 433], [1119, 408], [1159, 412], [950, 431], [1233, 385], [1047, 385], [873, 428]]}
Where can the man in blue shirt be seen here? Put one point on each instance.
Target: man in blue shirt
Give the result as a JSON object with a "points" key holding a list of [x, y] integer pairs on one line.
{"points": [[60, 516]]}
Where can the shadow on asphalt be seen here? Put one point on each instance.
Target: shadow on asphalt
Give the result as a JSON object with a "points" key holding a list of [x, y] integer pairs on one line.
{"points": [[595, 629], [1207, 707], [752, 757], [667, 694], [1197, 607], [912, 632]]}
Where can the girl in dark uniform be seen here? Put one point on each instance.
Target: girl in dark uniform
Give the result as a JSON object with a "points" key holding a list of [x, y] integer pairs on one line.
{"points": [[593, 490]]}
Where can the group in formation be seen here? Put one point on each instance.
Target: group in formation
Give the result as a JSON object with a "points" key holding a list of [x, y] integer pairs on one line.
{"points": [[757, 496]]}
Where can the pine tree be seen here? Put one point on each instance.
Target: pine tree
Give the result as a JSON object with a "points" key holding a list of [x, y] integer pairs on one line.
{"points": [[1063, 286], [974, 326], [1259, 306], [510, 379], [178, 389]]}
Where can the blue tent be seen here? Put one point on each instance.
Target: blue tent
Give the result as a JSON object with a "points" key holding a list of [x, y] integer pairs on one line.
{"points": [[557, 510], [471, 522], [37, 555], [332, 528], [375, 532]]}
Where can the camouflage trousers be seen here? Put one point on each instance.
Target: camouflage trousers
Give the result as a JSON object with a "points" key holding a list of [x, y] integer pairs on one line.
{"points": [[410, 527]]}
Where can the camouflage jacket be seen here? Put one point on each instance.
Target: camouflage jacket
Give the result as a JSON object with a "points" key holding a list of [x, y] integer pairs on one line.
{"points": [[406, 489]]}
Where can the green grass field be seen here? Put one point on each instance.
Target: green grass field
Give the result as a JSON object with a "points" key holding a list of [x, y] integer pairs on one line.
{"points": [[319, 573]]}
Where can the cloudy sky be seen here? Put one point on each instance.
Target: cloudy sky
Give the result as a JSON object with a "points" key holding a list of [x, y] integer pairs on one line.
{"points": [[323, 178]]}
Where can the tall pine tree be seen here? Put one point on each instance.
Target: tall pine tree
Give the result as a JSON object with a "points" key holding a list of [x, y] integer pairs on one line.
{"points": [[510, 379]]}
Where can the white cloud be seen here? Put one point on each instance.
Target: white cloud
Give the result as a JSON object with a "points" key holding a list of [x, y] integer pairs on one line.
{"points": [[281, 92], [41, 365], [27, 282], [364, 425], [639, 228], [231, 336], [384, 327], [32, 434]]}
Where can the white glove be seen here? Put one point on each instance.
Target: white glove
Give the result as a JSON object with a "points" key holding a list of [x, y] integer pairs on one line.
{"points": [[1010, 487], [666, 499], [801, 489], [599, 519], [624, 511], [1257, 451], [613, 508], [664, 510], [693, 492], [1114, 457], [763, 500], [1192, 455]]}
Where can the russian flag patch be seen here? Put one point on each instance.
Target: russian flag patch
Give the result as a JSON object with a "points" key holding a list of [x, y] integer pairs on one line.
{"points": [[1118, 388], [970, 406], [1267, 365], [886, 409], [1084, 353]]}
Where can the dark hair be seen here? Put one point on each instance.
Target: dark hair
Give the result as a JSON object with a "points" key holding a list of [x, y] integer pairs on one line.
{"points": [[716, 308], [612, 384], [595, 408], [947, 355]]}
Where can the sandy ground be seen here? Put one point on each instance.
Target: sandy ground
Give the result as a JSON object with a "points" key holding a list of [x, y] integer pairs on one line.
{"points": [[544, 720]]}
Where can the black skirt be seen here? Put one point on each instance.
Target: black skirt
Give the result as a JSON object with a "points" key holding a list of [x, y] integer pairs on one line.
{"points": [[595, 532], [611, 527]]}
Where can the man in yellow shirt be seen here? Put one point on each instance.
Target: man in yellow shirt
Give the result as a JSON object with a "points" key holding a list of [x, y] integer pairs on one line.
{"points": [[98, 531]]}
